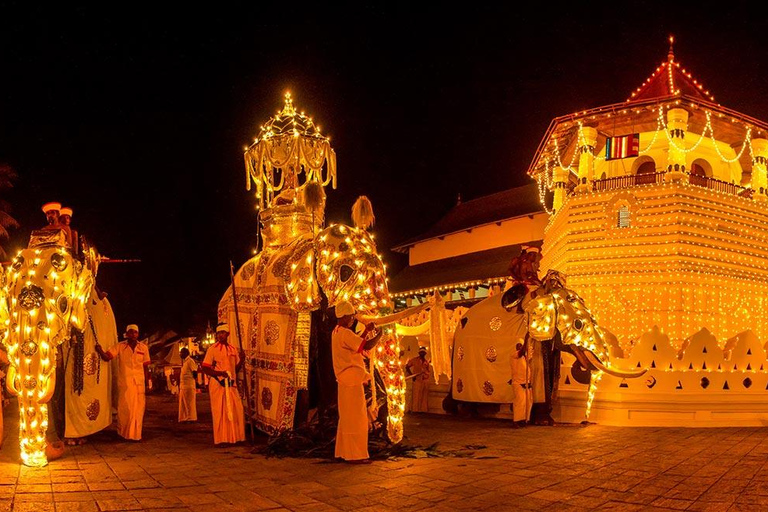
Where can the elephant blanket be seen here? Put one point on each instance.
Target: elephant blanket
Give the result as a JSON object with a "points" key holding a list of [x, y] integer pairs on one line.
{"points": [[481, 353], [88, 396], [275, 336]]}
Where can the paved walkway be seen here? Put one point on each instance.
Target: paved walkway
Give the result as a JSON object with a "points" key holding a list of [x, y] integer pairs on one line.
{"points": [[567, 468]]}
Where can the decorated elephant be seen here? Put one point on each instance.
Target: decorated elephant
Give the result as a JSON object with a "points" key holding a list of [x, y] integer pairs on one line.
{"points": [[46, 290], [285, 296], [545, 318]]}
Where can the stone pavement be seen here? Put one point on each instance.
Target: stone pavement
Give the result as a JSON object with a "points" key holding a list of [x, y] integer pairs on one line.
{"points": [[566, 468]]}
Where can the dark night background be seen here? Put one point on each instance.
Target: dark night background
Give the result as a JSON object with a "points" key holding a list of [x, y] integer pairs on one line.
{"points": [[137, 117]]}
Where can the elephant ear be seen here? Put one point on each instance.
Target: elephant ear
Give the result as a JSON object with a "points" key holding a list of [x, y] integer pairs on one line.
{"points": [[300, 280], [542, 318]]}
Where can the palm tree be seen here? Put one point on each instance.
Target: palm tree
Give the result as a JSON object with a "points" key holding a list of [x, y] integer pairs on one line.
{"points": [[7, 177]]}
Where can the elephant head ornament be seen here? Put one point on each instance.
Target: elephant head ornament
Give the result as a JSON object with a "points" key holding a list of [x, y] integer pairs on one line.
{"points": [[557, 310], [46, 290]]}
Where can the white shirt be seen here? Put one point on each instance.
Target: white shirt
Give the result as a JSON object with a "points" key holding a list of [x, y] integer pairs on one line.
{"points": [[187, 380], [130, 363], [348, 364], [222, 358], [519, 367]]}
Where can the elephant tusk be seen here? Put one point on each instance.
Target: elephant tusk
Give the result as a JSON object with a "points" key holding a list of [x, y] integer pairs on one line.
{"points": [[622, 374]]}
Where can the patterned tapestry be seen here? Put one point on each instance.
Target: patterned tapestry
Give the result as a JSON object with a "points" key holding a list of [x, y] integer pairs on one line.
{"points": [[275, 336]]}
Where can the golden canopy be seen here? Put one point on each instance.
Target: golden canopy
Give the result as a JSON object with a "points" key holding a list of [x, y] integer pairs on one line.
{"points": [[288, 145]]}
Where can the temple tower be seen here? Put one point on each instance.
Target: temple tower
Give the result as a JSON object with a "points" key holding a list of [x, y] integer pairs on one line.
{"points": [[660, 212]]}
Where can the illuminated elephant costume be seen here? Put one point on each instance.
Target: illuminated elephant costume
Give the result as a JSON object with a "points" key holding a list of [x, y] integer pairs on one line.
{"points": [[285, 295], [46, 292], [550, 317], [287, 292]]}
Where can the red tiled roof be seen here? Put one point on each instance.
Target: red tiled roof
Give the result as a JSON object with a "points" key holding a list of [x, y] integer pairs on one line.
{"points": [[671, 79], [496, 207]]}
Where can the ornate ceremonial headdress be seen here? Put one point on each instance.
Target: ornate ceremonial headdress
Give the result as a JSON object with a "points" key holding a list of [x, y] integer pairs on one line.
{"points": [[289, 152]]}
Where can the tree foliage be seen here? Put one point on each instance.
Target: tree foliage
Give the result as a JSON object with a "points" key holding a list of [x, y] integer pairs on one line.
{"points": [[7, 177]]}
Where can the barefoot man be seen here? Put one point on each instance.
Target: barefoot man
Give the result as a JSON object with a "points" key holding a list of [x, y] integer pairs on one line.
{"points": [[348, 365], [132, 361], [221, 364]]}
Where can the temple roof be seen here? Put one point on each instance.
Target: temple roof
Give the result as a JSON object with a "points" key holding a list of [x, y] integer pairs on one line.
{"points": [[496, 207], [670, 86], [473, 267], [670, 79]]}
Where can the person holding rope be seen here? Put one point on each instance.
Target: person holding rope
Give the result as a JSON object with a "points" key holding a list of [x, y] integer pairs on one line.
{"points": [[132, 361], [349, 368], [221, 364]]}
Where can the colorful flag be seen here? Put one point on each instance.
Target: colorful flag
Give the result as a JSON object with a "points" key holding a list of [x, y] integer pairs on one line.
{"points": [[622, 147]]}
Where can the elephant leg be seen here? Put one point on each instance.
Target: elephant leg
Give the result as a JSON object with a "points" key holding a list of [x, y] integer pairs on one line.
{"points": [[301, 414]]}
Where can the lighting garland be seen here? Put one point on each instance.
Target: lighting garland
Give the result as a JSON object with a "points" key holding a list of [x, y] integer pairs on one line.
{"points": [[594, 379], [544, 185], [447, 287], [573, 156], [671, 140], [48, 291], [659, 124], [710, 129]]}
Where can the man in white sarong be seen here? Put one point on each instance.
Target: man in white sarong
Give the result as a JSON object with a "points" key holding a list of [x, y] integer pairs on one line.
{"points": [[187, 388], [522, 400], [88, 381], [221, 363], [132, 358], [349, 368]]}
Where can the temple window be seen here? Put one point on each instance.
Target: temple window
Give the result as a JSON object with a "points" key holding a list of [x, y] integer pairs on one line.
{"points": [[644, 165], [645, 169], [701, 167], [622, 220], [648, 167]]}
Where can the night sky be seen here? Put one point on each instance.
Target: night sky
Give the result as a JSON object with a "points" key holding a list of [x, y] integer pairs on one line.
{"points": [[137, 118]]}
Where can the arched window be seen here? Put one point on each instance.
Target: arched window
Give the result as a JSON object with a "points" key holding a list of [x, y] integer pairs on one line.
{"points": [[700, 171], [645, 169], [644, 165], [622, 217], [701, 167]]}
